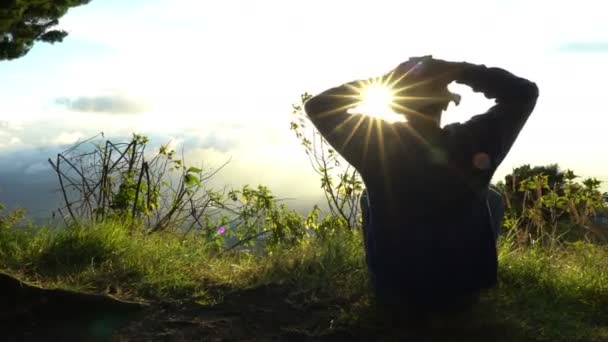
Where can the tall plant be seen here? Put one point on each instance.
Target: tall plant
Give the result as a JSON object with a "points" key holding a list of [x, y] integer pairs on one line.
{"points": [[553, 213], [340, 182], [120, 181]]}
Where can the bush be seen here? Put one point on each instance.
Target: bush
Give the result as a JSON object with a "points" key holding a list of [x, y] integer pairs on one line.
{"points": [[550, 209]]}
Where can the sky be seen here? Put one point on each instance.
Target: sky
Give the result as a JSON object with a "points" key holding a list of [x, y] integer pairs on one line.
{"points": [[218, 78]]}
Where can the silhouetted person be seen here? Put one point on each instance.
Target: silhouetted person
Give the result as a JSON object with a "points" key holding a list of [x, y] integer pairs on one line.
{"points": [[430, 220]]}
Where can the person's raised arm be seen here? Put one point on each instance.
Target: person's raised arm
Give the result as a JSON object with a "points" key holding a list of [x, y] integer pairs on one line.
{"points": [[515, 97], [356, 137], [329, 109]]}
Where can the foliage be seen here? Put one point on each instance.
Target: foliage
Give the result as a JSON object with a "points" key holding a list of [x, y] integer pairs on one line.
{"points": [[11, 219], [25, 22], [120, 181], [555, 180], [109, 256], [254, 214], [340, 182], [253, 218], [552, 208], [8, 223]]}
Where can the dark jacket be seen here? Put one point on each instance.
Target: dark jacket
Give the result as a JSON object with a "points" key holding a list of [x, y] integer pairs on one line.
{"points": [[429, 232]]}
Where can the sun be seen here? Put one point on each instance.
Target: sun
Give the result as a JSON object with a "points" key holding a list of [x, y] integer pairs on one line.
{"points": [[377, 96], [376, 101]]}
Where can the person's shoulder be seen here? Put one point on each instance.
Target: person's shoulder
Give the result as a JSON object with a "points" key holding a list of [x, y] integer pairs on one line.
{"points": [[453, 129], [470, 126], [463, 133]]}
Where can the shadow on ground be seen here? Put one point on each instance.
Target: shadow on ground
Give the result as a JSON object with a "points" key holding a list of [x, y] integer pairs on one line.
{"points": [[266, 313], [269, 313], [31, 313]]}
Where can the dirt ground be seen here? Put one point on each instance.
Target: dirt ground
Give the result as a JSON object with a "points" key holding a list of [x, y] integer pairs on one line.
{"points": [[268, 313], [262, 314]]}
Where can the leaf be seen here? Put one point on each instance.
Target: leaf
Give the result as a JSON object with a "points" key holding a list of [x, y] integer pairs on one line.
{"points": [[194, 169], [190, 180]]}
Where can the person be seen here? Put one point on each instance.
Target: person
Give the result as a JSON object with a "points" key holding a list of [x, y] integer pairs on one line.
{"points": [[430, 216]]}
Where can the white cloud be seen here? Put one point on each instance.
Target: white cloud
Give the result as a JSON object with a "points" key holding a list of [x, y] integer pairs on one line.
{"points": [[105, 104], [67, 138], [8, 141], [9, 134]]}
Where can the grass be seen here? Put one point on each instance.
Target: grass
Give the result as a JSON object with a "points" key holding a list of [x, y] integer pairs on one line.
{"points": [[165, 265], [558, 294], [544, 295]]}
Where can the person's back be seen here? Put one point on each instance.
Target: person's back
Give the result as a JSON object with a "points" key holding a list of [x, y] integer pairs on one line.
{"points": [[428, 236]]}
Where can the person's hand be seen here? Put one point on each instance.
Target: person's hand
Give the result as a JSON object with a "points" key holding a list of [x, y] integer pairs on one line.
{"points": [[438, 71], [444, 71], [421, 77]]}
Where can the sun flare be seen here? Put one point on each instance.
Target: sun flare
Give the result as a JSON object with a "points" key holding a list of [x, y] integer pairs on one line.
{"points": [[377, 96], [376, 101]]}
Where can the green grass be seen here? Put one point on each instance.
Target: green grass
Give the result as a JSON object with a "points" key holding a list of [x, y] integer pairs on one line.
{"points": [[165, 265], [545, 295], [559, 294]]}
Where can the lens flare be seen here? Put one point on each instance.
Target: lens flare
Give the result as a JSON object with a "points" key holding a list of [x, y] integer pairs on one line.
{"points": [[377, 96], [377, 101]]}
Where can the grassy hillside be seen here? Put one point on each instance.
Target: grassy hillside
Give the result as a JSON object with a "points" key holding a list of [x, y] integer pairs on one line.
{"points": [[317, 286]]}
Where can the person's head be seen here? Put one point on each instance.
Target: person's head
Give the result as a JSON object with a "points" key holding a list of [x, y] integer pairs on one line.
{"points": [[425, 92]]}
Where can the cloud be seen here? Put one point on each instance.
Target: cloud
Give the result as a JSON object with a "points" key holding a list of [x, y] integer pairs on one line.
{"points": [[46, 136], [8, 135], [220, 141], [66, 138], [107, 104], [585, 47]]}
